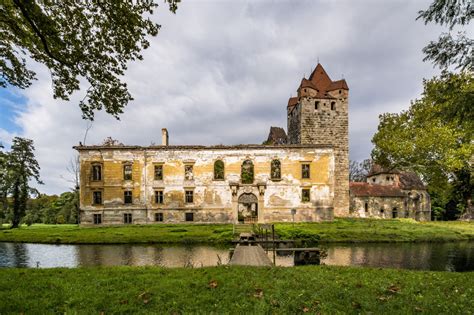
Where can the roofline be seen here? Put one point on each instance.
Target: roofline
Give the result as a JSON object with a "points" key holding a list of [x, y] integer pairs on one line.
{"points": [[201, 147]]}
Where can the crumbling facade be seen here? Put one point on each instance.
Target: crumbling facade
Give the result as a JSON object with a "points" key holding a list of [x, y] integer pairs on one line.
{"points": [[206, 184], [390, 194]]}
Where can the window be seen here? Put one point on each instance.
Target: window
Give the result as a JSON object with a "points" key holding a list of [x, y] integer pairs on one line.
{"points": [[373, 180], [189, 216], [97, 218], [159, 197], [159, 217], [366, 206], [218, 170], [316, 105], [188, 172], [305, 171], [340, 91], [127, 218], [381, 210], [394, 213], [127, 196], [189, 196], [97, 197], [96, 172], [333, 105], [158, 172], [246, 172], [305, 195], [275, 171], [127, 172], [387, 178]]}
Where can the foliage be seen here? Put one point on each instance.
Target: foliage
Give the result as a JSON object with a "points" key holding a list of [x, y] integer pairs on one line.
{"points": [[94, 40], [22, 167], [434, 138], [219, 170], [235, 290], [358, 171], [448, 50]]}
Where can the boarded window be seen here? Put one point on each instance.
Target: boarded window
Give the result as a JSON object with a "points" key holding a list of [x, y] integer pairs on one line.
{"points": [[189, 196], [96, 172], [218, 170], [159, 197], [276, 169], [246, 172], [127, 172], [305, 171], [189, 216], [159, 217], [97, 218], [305, 195], [127, 196], [97, 197], [188, 172], [158, 172], [127, 218]]}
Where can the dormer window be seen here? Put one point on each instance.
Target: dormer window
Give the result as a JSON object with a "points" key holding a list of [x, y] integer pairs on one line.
{"points": [[373, 180]]}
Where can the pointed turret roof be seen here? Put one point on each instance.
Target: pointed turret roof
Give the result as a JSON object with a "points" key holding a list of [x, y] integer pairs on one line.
{"points": [[320, 81]]}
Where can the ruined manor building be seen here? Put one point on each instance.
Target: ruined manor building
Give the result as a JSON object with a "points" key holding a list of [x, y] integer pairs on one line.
{"points": [[301, 176]]}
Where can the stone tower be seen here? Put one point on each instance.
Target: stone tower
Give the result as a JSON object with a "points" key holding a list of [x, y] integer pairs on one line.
{"points": [[319, 115]]}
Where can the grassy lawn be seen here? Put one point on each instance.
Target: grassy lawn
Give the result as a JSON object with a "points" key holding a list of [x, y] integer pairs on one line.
{"points": [[237, 290], [373, 230], [339, 230]]}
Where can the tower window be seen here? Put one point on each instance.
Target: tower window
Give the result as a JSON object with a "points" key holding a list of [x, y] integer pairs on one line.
{"points": [[366, 206], [305, 90], [333, 105], [316, 105], [340, 91]]}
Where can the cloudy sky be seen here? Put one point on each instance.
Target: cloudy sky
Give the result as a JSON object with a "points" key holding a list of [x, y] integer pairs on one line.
{"points": [[221, 72]]}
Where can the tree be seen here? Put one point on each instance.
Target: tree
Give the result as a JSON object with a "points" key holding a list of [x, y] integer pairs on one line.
{"points": [[448, 50], [93, 40], [21, 168], [434, 138], [358, 171], [3, 184]]}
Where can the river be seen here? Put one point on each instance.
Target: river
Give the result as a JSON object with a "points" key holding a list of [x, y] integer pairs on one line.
{"points": [[456, 256]]}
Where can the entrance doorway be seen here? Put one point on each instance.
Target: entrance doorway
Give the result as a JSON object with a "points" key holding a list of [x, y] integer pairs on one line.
{"points": [[248, 208]]}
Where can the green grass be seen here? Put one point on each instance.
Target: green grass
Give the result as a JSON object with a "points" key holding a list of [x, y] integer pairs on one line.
{"points": [[73, 234], [236, 290], [339, 230], [374, 230]]}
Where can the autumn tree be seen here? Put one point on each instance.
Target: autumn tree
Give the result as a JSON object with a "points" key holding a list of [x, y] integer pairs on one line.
{"points": [[358, 171], [434, 138], [76, 40], [22, 167], [450, 50]]}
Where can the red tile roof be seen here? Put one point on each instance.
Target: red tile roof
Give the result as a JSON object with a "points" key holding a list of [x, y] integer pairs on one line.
{"points": [[360, 189], [292, 101], [320, 81]]}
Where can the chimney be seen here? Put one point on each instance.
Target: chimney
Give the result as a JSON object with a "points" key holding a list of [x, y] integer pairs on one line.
{"points": [[164, 137]]}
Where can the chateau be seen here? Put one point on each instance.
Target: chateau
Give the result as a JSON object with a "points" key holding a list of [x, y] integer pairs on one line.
{"points": [[300, 177]]}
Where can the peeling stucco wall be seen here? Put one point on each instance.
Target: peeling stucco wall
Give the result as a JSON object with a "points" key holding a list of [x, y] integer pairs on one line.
{"points": [[213, 200]]}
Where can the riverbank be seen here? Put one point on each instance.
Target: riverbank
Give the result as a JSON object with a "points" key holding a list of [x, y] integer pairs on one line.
{"points": [[310, 289], [339, 230]]}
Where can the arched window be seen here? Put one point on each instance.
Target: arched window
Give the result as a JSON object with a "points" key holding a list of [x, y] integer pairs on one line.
{"points": [[275, 169], [333, 105], [246, 173], [218, 170]]}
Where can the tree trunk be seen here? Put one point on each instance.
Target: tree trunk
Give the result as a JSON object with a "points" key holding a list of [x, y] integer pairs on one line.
{"points": [[16, 206]]}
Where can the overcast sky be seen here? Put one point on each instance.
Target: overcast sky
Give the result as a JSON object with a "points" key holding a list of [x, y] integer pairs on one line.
{"points": [[221, 72]]}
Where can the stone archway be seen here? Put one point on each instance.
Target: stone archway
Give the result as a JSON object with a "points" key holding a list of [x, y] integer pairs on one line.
{"points": [[247, 208]]}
